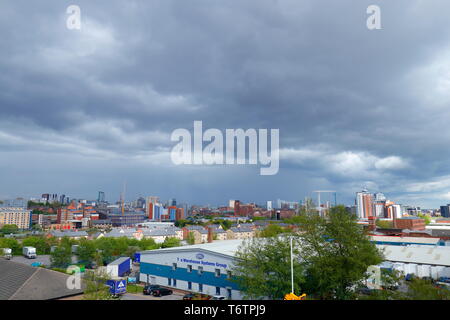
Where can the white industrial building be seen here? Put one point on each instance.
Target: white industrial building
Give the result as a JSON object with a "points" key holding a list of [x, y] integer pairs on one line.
{"points": [[206, 268], [203, 268], [419, 260]]}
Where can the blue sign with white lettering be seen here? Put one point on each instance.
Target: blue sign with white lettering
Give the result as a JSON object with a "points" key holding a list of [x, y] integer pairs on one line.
{"points": [[117, 286], [200, 256]]}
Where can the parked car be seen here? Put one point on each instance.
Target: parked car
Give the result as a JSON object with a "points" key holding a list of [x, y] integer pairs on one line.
{"points": [[148, 290], [365, 291], [218, 298], [444, 279], [162, 292], [189, 296]]}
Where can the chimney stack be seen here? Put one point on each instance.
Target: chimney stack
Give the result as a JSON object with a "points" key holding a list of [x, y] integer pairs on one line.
{"points": [[210, 234]]}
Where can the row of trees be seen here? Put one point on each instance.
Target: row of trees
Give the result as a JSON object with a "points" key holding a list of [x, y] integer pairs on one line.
{"points": [[104, 250], [41, 244], [226, 224], [331, 258], [8, 229], [101, 251], [414, 289]]}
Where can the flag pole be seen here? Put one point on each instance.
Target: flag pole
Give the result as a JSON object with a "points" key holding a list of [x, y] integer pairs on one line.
{"points": [[292, 268]]}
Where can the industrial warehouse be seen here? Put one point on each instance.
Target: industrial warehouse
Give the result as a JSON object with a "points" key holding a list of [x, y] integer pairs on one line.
{"points": [[204, 268], [419, 260]]}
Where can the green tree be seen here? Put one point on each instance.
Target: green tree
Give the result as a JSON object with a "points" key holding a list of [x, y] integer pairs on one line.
{"points": [[416, 289], [421, 289], [98, 258], [296, 220], [259, 218], [131, 251], [389, 282], [61, 257], [86, 251], [426, 217], [106, 247], [384, 224], [272, 230], [9, 228], [133, 242], [148, 244], [170, 242], [67, 242], [96, 288], [13, 244], [263, 268], [226, 224], [51, 241], [181, 223], [336, 254], [120, 246], [191, 238], [39, 243], [36, 227]]}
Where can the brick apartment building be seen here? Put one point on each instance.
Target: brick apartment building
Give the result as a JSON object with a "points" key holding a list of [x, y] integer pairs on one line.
{"points": [[410, 223]]}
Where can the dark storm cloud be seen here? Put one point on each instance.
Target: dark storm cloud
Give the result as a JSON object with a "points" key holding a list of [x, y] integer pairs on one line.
{"points": [[354, 107]]}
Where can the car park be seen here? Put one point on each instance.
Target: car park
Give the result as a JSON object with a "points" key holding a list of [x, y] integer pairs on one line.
{"points": [[189, 296], [365, 291], [161, 292], [148, 290]]}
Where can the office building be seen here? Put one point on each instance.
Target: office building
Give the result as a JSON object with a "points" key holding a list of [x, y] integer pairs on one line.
{"points": [[203, 268], [150, 203], [172, 211], [379, 208], [445, 211], [364, 204], [101, 197], [128, 218], [19, 216], [394, 211]]}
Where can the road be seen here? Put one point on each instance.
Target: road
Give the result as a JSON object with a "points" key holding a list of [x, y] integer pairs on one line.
{"points": [[44, 259], [137, 296]]}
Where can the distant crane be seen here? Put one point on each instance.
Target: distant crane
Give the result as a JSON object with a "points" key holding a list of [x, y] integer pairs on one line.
{"points": [[123, 197], [318, 195]]}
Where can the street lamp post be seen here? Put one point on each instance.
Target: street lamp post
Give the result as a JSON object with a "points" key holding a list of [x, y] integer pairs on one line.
{"points": [[292, 268]]}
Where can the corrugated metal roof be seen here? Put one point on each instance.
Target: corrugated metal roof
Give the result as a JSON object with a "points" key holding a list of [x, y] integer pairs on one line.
{"points": [[437, 255], [22, 282], [192, 227], [118, 261], [242, 229], [227, 247], [58, 233]]}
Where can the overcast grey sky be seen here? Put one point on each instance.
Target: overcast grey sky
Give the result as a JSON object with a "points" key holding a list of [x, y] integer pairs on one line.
{"points": [[84, 110]]}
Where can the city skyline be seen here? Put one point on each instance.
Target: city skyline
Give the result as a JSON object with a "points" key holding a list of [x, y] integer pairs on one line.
{"points": [[83, 110], [330, 199]]}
